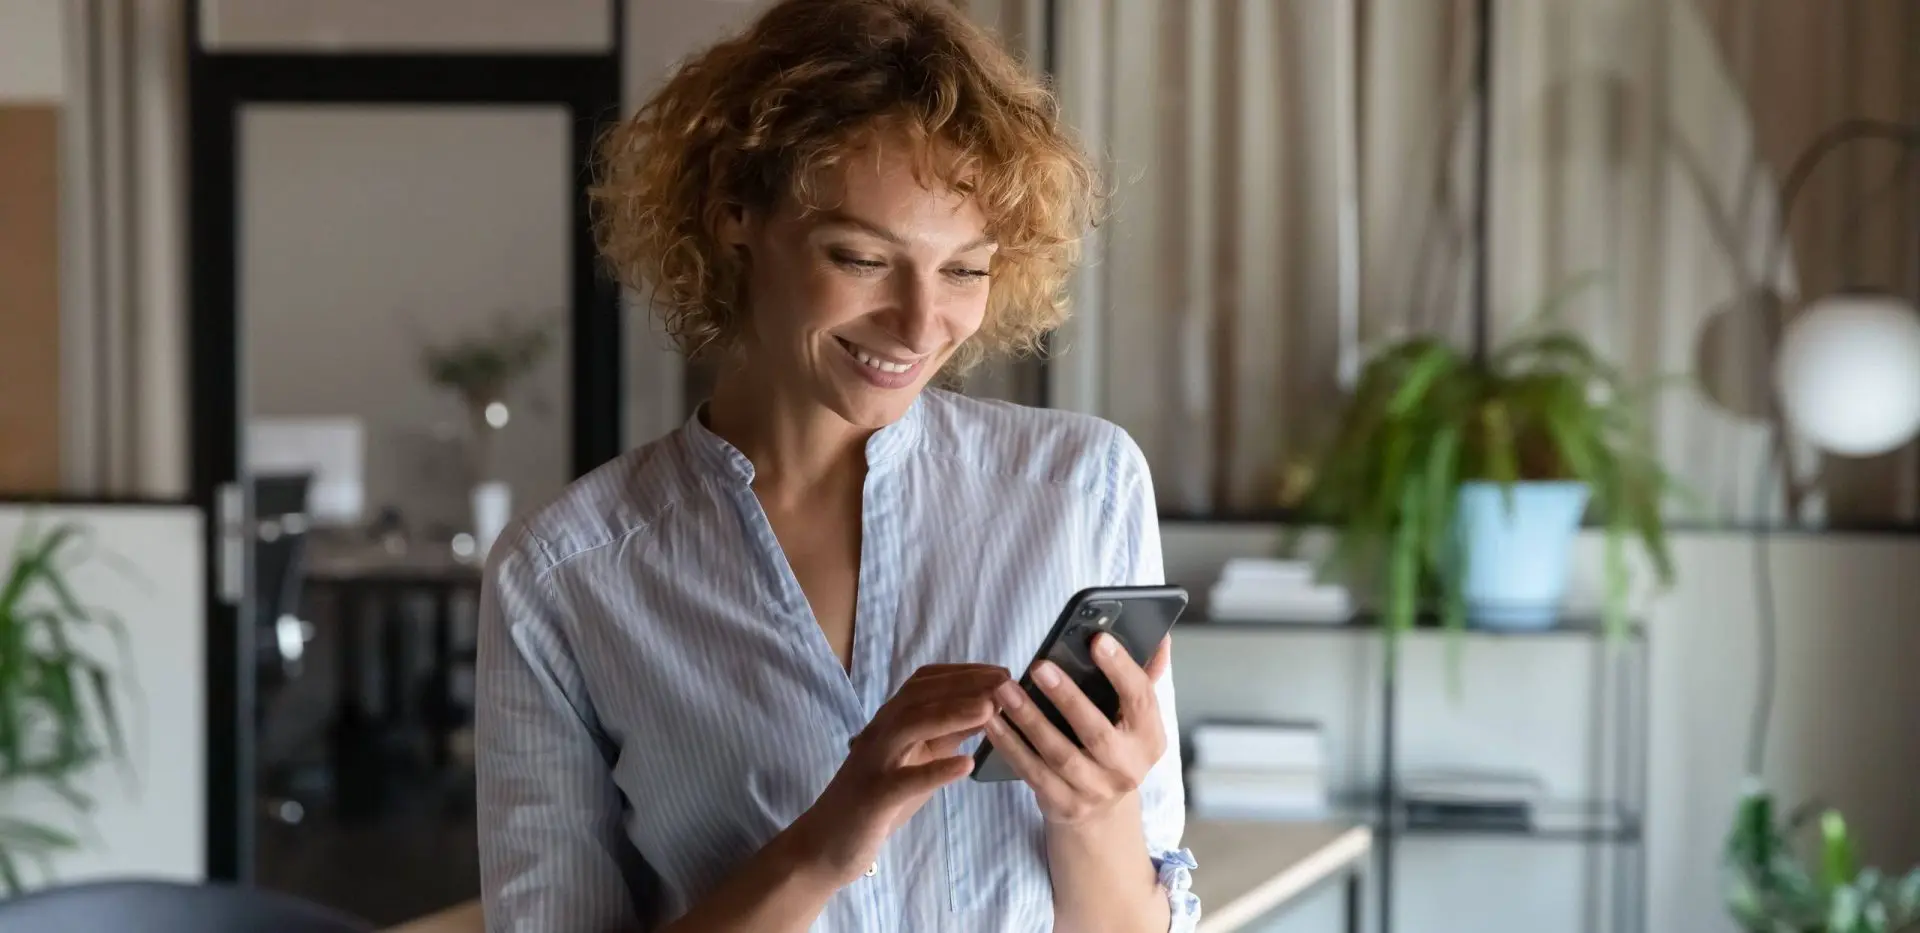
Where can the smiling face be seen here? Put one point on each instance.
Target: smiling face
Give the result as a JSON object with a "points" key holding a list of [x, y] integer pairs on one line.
{"points": [[858, 304]]}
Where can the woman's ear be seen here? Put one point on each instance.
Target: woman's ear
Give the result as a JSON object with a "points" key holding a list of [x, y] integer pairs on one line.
{"points": [[735, 229]]}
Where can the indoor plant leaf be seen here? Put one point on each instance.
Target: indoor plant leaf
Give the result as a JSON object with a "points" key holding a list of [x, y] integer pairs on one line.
{"points": [[57, 712]]}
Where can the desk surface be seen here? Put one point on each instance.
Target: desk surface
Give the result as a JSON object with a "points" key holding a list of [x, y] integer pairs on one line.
{"points": [[1247, 869], [335, 563]]}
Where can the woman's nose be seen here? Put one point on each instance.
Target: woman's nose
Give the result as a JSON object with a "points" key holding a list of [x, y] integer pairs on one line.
{"points": [[917, 312]]}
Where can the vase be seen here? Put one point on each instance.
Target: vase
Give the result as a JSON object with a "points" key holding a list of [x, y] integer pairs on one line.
{"points": [[1517, 551], [492, 504]]}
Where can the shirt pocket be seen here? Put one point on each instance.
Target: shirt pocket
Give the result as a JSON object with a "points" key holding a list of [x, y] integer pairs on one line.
{"points": [[995, 847]]}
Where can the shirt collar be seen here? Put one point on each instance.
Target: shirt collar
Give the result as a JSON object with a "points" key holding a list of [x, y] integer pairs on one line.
{"points": [[885, 447]]}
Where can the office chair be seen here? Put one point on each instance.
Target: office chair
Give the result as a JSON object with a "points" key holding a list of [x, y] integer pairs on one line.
{"points": [[279, 552], [169, 907], [281, 636]]}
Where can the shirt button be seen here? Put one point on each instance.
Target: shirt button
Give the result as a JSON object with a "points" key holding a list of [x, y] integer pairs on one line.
{"points": [[873, 869]]}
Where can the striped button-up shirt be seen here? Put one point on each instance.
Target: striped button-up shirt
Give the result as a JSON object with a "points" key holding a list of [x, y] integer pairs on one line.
{"points": [[656, 701]]}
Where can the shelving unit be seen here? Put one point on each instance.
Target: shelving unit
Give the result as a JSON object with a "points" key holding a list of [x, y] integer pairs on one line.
{"points": [[1615, 821]]}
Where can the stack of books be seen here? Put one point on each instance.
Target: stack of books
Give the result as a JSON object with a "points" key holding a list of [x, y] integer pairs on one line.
{"points": [[1257, 770], [1469, 799], [1271, 590]]}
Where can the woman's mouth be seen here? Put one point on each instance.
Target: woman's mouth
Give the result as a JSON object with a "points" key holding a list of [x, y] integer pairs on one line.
{"points": [[882, 371]]}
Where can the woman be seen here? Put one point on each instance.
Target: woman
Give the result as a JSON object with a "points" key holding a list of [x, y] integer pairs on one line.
{"points": [[731, 681]]}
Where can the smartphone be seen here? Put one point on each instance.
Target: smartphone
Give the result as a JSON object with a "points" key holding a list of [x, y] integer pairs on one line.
{"points": [[1139, 616]]}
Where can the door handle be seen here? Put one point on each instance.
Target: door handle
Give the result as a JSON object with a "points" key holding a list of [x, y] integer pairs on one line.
{"points": [[231, 542]]}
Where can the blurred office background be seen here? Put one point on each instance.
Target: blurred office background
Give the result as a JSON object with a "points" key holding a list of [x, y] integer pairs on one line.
{"points": [[296, 308]]}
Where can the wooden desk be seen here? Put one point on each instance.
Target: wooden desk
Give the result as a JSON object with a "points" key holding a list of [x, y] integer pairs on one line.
{"points": [[1250, 869], [460, 918], [1247, 870]]}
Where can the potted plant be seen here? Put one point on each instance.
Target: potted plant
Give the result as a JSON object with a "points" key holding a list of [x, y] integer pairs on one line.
{"points": [[1769, 890], [1459, 483], [57, 712], [481, 370]]}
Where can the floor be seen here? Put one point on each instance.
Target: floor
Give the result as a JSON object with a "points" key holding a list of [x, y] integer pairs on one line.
{"points": [[411, 852], [386, 872]]}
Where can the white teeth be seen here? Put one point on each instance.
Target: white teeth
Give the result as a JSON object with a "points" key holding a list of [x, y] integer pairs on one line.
{"points": [[874, 362]]}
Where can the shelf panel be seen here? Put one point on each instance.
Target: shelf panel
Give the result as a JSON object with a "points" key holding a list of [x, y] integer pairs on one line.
{"points": [[1367, 623], [1554, 822]]}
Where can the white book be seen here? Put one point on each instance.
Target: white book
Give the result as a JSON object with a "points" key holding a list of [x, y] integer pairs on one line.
{"points": [[1280, 783], [1258, 746], [1230, 603], [1471, 787], [1267, 570], [1210, 797]]}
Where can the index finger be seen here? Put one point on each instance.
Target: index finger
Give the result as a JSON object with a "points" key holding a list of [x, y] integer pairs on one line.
{"points": [[936, 680], [946, 670]]}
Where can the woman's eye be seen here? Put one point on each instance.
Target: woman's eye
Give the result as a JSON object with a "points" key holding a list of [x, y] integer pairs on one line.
{"points": [[968, 274], [856, 263]]}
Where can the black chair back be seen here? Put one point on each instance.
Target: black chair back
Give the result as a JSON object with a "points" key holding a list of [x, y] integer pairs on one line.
{"points": [[279, 564], [168, 907]]}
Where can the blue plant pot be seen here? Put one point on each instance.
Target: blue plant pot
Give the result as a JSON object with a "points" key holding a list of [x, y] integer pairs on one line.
{"points": [[1517, 558]]}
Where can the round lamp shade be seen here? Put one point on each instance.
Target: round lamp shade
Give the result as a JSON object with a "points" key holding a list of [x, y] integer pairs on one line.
{"points": [[1849, 373]]}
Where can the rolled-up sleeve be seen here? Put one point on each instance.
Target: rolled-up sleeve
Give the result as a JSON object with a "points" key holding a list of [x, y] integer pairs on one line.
{"points": [[554, 857], [1134, 526]]}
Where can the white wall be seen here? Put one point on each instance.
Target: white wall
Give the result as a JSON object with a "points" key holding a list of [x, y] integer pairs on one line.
{"points": [[150, 818], [371, 233], [1846, 727], [357, 218], [366, 25], [32, 51]]}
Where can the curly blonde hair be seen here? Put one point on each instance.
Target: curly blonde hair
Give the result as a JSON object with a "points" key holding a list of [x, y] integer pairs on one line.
{"points": [[755, 119]]}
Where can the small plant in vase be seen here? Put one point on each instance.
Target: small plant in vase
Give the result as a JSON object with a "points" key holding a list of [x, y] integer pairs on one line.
{"points": [[482, 370], [1459, 483]]}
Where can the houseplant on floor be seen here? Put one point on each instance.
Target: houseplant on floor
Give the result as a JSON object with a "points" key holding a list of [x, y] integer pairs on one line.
{"points": [[1769, 890], [1459, 483], [57, 711]]}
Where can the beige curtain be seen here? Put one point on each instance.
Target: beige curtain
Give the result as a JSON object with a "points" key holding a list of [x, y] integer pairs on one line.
{"points": [[1280, 185], [123, 288], [1296, 182]]}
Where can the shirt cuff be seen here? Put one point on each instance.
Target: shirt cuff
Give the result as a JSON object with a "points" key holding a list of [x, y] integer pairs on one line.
{"points": [[1176, 878]]}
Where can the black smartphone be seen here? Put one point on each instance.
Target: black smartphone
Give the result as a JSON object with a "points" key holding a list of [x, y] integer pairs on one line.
{"points": [[1139, 616]]}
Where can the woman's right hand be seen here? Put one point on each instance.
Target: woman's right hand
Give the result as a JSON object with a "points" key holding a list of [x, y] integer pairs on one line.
{"points": [[894, 765]]}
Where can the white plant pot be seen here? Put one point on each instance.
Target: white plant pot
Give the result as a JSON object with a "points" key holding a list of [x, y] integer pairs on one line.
{"points": [[492, 509]]}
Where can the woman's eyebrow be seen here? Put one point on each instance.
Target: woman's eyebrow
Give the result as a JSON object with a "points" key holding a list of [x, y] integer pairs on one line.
{"points": [[839, 218]]}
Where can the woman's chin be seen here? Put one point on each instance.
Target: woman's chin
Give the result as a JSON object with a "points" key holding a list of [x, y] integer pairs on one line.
{"points": [[872, 409]]}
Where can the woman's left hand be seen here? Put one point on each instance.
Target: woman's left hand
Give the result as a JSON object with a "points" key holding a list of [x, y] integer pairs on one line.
{"points": [[1077, 784]]}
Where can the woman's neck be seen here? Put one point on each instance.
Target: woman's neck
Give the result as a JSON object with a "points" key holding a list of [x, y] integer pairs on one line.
{"points": [[796, 445]]}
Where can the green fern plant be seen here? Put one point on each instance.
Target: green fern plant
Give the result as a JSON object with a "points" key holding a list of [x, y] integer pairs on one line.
{"points": [[1426, 417], [1769, 890], [57, 712]]}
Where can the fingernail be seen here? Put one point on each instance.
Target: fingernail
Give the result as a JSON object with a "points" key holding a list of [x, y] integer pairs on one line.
{"points": [[1107, 645], [1010, 696], [1046, 673]]}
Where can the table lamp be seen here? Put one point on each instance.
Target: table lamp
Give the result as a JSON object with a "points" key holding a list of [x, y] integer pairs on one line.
{"points": [[1848, 373], [1847, 381]]}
